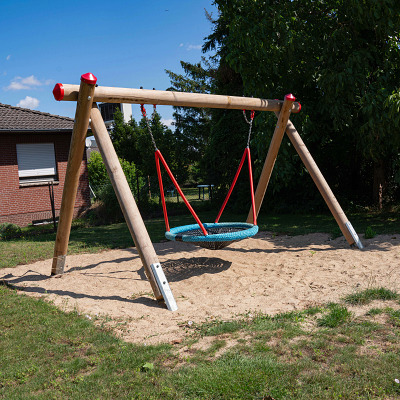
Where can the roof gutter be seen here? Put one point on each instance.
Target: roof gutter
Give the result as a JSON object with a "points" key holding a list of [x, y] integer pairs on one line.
{"points": [[66, 130]]}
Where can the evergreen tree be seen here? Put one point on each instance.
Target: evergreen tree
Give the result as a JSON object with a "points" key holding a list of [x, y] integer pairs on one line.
{"points": [[341, 58]]}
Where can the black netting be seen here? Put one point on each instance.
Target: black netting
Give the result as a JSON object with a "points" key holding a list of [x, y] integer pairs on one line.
{"points": [[211, 231]]}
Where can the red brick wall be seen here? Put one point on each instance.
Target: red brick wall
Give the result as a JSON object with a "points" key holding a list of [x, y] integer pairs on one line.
{"points": [[22, 205]]}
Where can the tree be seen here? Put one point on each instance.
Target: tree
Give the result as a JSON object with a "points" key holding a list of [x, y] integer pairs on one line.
{"points": [[124, 137], [211, 138], [342, 58], [192, 125]]}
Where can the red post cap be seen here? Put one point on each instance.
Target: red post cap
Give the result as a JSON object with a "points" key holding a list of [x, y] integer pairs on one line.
{"points": [[58, 91], [299, 106], [89, 78], [290, 97]]}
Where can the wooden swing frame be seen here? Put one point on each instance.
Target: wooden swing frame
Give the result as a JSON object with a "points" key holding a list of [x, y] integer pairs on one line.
{"points": [[87, 94]]}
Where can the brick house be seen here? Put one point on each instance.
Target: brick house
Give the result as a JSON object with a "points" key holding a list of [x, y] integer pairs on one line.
{"points": [[34, 150]]}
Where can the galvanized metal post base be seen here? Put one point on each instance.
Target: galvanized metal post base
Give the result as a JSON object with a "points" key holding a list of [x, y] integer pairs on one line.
{"points": [[354, 235], [58, 265], [163, 285]]}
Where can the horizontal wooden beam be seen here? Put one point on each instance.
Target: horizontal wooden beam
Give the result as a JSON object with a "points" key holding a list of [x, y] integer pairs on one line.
{"points": [[104, 94]]}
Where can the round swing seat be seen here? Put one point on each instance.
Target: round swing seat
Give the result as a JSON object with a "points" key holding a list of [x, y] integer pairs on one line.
{"points": [[219, 235]]}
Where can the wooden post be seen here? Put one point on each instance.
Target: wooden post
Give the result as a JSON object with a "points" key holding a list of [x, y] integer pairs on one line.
{"points": [[321, 183], [77, 147], [126, 200], [272, 154]]}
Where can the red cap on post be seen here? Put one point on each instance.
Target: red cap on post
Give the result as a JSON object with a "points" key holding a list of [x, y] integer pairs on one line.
{"points": [[58, 91], [89, 78], [290, 97]]}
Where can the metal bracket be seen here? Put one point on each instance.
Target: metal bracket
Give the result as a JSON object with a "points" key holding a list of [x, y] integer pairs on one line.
{"points": [[354, 235], [163, 285], [59, 267]]}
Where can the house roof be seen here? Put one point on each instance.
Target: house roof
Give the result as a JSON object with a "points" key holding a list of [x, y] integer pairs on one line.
{"points": [[16, 119]]}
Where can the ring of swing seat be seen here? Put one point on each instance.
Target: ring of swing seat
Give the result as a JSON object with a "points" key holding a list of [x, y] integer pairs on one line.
{"points": [[219, 235]]}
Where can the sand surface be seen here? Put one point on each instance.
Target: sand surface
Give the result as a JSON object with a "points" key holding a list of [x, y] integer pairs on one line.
{"points": [[267, 273]]}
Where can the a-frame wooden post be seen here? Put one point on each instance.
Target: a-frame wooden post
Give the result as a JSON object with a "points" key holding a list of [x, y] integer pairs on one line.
{"points": [[323, 187], [272, 154], [135, 223], [284, 124], [77, 147]]}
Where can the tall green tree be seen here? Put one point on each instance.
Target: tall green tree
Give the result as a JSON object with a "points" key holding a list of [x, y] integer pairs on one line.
{"points": [[213, 139], [192, 125], [341, 58], [124, 137]]}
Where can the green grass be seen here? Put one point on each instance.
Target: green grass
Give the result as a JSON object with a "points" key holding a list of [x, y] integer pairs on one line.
{"points": [[368, 295], [337, 315], [49, 354], [322, 352], [38, 243], [191, 194]]}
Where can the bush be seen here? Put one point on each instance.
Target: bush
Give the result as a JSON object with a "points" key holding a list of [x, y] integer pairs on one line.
{"points": [[10, 231], [369, 233], [97, 172], [102, 187]]}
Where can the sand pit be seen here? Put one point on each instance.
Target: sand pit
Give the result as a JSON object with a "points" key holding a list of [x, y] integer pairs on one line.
{"points": [[266, 273]]}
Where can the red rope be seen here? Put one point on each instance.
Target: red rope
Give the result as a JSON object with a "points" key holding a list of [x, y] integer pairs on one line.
{"points": [[245, 153], [159, 156], [253, 203], [231, 188], [143, 110], [164, 206]]}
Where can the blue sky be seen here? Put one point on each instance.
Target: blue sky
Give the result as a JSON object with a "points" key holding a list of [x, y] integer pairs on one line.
{"points": [[123, 43]]}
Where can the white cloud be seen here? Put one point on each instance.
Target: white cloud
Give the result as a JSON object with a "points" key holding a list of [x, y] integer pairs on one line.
{"points": [[8, 57], [181, 45], [30, 82], [168, 122], [28, 102], [194, 47], [16, 85]]}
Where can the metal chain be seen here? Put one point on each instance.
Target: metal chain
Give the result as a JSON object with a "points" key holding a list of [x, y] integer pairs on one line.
{"points": [[250, 124], [148, 124]]}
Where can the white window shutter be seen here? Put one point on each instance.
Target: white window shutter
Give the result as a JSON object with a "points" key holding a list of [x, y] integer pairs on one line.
{"points": [[36, 159]]}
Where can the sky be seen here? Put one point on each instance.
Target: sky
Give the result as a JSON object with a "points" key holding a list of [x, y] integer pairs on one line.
{"points": [[123, 43]]}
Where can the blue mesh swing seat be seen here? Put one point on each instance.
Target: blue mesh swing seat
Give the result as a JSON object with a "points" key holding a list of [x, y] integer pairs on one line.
{"points": [[219, 235], [213, 236]]}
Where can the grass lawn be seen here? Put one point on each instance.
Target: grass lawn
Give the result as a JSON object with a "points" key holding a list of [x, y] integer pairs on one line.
{"points": [[319, 353]]}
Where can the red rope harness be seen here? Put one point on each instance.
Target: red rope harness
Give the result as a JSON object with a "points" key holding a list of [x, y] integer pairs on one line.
{"points": [[159, 156]]}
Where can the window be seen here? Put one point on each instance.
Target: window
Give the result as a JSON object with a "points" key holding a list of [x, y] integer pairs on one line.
{"points": [[36, 162]]}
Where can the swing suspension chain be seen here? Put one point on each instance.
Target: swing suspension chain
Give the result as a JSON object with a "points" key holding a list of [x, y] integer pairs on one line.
{"points": [[148, 123], [250, 124]]}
